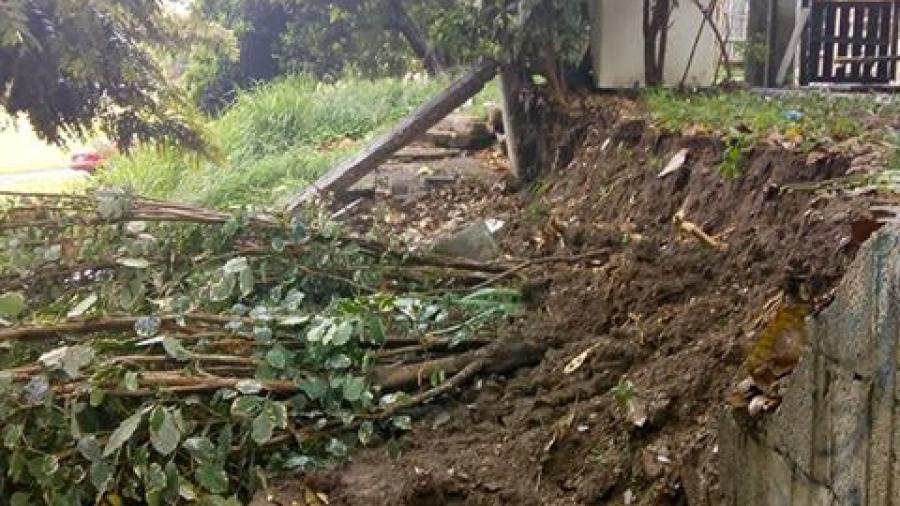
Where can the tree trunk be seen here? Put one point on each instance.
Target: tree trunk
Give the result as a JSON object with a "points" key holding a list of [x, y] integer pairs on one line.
{"points": [[342, 177], [656, 16], [522, 136], [401, 21]]}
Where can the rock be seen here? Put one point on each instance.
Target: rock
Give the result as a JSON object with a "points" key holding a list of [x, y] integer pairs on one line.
{"points": [[461, 132], [474, 242]]}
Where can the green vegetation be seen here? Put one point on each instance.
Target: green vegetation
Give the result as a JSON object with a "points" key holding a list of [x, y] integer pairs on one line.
{"points": [[253, 347], [746, 119], [73, 68], [274, 140], [814, 116]]}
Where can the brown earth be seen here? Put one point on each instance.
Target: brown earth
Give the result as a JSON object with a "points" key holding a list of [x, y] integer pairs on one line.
{"points": [[666, 321]]}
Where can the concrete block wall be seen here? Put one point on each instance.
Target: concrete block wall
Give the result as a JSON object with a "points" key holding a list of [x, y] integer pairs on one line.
{"points": [[835, 439]]}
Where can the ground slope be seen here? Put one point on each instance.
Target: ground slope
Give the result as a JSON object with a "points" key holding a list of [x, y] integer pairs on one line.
{"points": [[665, 319]]}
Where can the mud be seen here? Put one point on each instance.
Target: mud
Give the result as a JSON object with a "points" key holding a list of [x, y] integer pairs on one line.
{"points": [[666, 318]]}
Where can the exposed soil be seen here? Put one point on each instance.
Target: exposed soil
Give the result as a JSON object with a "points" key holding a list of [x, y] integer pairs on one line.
{"points": [[664, 311]]}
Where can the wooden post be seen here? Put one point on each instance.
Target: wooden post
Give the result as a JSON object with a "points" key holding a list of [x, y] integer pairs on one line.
{"points": [[342, 177]]}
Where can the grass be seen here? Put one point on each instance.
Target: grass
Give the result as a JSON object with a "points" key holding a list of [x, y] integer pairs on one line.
{"points": [[815, 116], [746, 118], [275, 140]]}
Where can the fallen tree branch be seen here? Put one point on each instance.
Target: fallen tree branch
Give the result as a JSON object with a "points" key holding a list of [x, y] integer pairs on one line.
{"points": [[569, 259], [116, 323], [697, 232], [498, 357]]}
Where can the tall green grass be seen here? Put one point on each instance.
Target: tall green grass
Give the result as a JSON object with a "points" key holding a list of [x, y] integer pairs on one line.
{"points": [[271, 142], [275, 140]]}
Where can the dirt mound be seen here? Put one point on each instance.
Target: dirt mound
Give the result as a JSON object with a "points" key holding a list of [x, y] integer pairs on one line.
{"points": [[662, 325]]}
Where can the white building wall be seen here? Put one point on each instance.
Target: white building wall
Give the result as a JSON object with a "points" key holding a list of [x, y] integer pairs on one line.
{"points": [[618, 45]]}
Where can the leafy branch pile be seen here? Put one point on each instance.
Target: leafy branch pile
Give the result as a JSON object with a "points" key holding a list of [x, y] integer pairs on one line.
{"points": [[159, 353]]}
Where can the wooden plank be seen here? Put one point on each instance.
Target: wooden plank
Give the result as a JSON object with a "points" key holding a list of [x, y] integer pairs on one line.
{"points": [[858, 47], [346, 174], [814, 58], [884, 37], [842, 27], [791, 50], [873, 14], [829, 48], [892, 40]]}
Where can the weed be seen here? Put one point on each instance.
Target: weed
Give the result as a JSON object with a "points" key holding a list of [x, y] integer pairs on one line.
{"points": [[746, 118], [624, 391]]}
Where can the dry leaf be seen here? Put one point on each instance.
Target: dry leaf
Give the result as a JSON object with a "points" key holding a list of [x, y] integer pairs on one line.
{"points": [[579, 360], [676, 163], [560, 429]]}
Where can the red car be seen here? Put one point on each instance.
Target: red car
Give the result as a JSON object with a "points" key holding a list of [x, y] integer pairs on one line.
{"points": [[86, 161]]}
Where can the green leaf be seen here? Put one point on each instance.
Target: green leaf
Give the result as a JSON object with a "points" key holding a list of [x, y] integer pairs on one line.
{"points": [[131, 381], [82, 306], [89, 448], [354, 388], [164, 434], [12, 304], [402, 422], [262, 428], [317, 333], [222, 289], [70, 359], [263, 334], [20, 499], [172, 483], [134, 263], [213, 478], [249, 387], [339, 361], [76, 358], [377, 334], [245, 279], [273, 415], [277, 357], [154, 478], [293, 300], [175, 349], [313, 387], [123, 433], [365, 432], [246, 406], [336, 447], [236, 265], [101, 475], [12, 435], [293, 320], [340, 335], [43, 468], [147, 326], [201, 449]]}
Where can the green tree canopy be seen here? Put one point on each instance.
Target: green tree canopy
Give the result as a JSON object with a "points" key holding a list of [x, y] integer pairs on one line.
{"points": [[380, 37], [72, 66]]}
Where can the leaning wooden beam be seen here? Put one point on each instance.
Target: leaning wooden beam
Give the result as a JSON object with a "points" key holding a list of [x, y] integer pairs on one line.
{"points": [[346, 174], [791, 51]]}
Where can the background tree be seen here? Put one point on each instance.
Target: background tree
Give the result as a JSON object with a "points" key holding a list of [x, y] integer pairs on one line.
{"points": [[657, 15], [72, 66]]}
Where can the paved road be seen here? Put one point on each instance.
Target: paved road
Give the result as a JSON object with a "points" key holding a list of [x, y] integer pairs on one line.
{"points": [[39, 176]]}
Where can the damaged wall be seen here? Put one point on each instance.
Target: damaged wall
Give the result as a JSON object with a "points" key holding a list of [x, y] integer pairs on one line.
{"points": [[834, 440]]}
